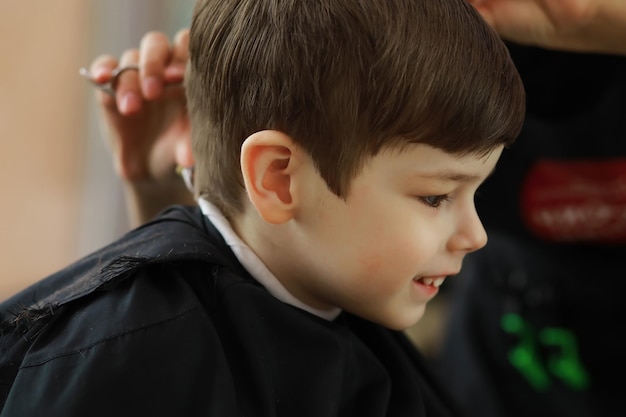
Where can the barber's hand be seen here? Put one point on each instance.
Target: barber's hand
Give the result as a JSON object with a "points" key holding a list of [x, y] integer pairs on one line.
{"points": [[146, 123], [575, 25]]}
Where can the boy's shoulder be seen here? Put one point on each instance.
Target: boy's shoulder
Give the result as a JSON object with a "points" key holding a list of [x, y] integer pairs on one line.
{"points": [[117, 315], [159, 264], [177, 235]]}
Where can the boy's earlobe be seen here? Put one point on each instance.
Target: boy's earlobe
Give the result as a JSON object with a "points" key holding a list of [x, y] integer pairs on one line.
{"points": [[268, 162]]}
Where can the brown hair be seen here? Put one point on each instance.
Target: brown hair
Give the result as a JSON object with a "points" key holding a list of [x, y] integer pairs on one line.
{"points": [[344, 79]]}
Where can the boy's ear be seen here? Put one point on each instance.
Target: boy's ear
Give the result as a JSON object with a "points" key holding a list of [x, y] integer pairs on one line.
{"points": [[269, 159]]}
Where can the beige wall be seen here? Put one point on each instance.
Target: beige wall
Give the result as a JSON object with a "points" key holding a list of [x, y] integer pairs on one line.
{"points": [[42, 116], [59, 196]]}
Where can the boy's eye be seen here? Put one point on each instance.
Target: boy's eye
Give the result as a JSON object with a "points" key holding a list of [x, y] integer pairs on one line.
{"points": [[434, 201]]}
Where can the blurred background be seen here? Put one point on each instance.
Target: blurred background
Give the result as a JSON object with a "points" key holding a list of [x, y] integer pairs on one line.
{"points": [[59, 196]]}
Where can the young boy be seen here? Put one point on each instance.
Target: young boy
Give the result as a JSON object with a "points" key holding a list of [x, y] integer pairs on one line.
{"points": [[338, 148]]}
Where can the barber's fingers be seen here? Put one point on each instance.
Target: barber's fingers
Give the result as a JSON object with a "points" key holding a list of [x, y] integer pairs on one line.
{"points": [[101, 69], [156, 64], [181, 45], [175, 71], [100, 73], [128, 95], [162, 62], [154, 56], [117, 82]]}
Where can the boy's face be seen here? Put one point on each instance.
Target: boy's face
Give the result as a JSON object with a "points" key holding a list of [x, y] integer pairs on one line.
{"points": [[406, 224]]}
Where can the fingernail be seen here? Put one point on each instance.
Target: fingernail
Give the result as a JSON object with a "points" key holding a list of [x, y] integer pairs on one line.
{"points": [[129, 103], [174, 72], [99, 74], [152, 87]]}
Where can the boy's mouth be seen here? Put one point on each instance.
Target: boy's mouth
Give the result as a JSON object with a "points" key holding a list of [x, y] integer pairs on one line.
{"points": [[431, 281]]}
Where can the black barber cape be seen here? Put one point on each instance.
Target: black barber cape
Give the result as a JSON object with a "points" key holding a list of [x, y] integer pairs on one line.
{"points": [[166, 322]]}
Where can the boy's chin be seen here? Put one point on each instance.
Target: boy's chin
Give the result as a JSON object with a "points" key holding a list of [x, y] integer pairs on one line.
{"points": [[401, 320]]}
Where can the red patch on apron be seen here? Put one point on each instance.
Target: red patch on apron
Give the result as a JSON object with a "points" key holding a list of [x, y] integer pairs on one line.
{"points": [[576, 201]]}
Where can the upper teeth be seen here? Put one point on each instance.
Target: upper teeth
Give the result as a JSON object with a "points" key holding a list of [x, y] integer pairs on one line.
{"points": [[432, 281]]}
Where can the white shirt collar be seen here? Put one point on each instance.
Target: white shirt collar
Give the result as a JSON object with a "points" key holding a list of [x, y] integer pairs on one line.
{"points": [[254, 265]]}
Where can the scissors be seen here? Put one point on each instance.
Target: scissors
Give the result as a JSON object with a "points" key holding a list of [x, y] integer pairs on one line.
{"points": [[110, 86]]}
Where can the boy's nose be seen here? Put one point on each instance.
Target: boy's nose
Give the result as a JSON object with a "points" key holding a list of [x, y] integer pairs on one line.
{"points": [[470, 234]]}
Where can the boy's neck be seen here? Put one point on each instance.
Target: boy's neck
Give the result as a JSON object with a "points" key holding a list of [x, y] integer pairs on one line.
{"points": [[246, 236]]}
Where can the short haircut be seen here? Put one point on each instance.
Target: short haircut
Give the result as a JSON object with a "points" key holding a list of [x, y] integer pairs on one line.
{"points": [[344, 79]]}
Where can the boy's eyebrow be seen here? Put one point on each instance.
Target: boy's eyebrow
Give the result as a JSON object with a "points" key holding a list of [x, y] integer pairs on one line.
{"points": [[454, 176]]}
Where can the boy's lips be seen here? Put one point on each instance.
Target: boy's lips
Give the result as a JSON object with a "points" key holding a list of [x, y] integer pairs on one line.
{"points": [[433, 281], [428, 286]]}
